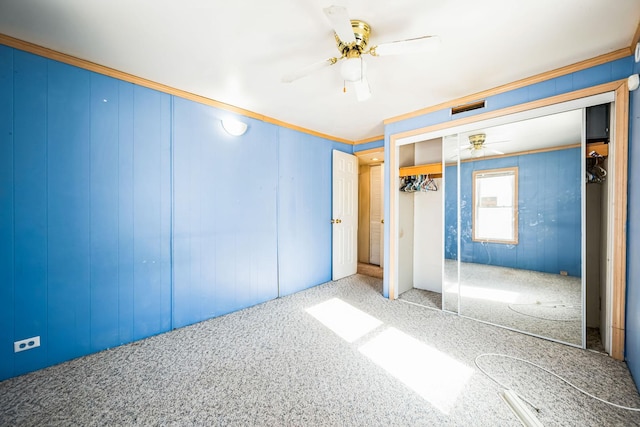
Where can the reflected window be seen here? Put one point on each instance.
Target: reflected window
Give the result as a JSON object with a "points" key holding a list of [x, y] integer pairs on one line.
{"points": [[495, 205]]}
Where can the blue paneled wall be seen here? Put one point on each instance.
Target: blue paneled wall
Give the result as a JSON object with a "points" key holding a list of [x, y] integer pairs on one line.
{"points": [[632, 326], [369, 145], [126, 212], [86, 204], [549, 213], [304, 204], [225, 234]]}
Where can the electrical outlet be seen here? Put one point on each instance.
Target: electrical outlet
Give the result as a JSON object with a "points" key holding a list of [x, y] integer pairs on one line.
{"points": [[27, 344]]}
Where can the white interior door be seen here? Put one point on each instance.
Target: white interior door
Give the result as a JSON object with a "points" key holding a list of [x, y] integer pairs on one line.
{"points": [[345, 215], [375, 215]]}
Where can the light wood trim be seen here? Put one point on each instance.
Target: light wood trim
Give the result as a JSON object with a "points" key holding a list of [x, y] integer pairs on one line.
{"points": [[619, 261], [379, 150], [598, 60], [101, 69], [305, 130], [601, 148], [617, 344], [367, 140], [428, 169], [557, 99]]}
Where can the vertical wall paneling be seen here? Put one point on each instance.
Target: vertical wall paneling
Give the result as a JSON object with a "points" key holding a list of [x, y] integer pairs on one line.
{"points": [[225, 235], [7, 285], [632, 325], [68, 206], [304, 211], [125, 213], [187, 292], [30, 207], [151, 212], [166, 201], [104, 212]]}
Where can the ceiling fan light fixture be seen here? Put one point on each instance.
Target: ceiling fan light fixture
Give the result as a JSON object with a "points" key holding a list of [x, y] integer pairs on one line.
{"points": [[478, 152], [353, 69]]}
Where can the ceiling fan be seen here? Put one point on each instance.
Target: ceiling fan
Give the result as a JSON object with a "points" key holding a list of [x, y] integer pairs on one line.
{"points": [[352, 38], [478, 145]]}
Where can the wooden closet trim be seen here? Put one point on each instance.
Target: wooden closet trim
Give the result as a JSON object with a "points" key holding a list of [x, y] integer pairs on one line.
{"points": [[619, 255]]}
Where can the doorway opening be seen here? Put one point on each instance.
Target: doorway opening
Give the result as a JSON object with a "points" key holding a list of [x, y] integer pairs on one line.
{"points": [[370, 212]]}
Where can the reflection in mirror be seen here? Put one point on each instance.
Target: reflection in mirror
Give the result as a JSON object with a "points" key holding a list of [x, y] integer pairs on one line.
{"points": [[520, 225], [450, 160]]}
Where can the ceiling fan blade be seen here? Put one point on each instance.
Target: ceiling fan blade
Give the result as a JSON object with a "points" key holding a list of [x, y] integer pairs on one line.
{"points": [[340, 22], [290, 77], [401, 47], [491, 150], [363, 91]]}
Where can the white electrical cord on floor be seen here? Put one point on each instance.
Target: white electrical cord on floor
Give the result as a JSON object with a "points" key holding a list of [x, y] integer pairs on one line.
{"points": [[549, 372]]}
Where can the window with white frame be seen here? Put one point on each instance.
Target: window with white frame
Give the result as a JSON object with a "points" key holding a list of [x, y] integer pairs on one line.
{"points": [[495, 205]]}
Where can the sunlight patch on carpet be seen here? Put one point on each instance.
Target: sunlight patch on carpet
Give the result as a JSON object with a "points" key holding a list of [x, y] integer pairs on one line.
{"points": [[345, 320], [432, 374]]}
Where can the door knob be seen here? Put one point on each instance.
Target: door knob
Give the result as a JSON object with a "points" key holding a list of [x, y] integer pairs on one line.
{"points": [[382, 221], [336, 221]]}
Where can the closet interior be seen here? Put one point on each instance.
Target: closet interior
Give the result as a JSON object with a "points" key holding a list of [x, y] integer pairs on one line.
{"points": [[420, 242]]}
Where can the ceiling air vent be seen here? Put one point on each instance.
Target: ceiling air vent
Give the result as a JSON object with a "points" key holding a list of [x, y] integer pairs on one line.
{"points": [[467, 107]]}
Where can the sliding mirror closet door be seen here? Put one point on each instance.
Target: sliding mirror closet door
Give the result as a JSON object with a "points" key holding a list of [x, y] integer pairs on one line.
{"points": [[520, 200], [450, 163]]}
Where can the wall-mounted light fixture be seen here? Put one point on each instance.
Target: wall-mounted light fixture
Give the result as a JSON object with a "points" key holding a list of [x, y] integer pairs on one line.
{"points": [[633, 82], [234, 127]]}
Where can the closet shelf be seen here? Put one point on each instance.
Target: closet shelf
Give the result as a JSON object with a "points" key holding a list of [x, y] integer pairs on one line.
{"points": [[601, 148], [433, 169]]}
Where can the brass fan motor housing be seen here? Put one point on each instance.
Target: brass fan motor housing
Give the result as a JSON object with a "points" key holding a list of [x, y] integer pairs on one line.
{"points": [[477, 140], [361, 31]]}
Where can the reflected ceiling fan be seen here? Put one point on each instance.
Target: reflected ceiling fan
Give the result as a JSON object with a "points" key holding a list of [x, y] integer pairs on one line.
{"points": [[478, 146], [352, 38]]}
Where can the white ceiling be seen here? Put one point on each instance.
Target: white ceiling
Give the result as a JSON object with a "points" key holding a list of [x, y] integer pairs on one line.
{"points": [[236, 52], [555, 130]]}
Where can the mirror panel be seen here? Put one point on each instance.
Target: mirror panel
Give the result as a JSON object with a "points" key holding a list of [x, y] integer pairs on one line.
{"points": [[450, 285], [520, 202]]}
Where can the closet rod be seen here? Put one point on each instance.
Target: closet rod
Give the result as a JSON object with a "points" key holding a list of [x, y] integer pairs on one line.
{"points": [[433, 169]]}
